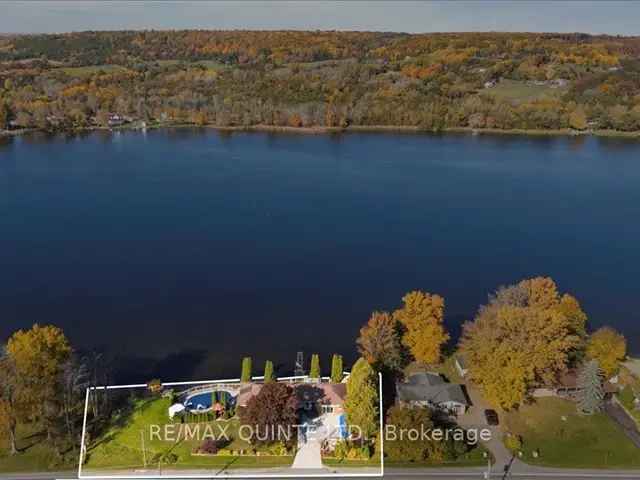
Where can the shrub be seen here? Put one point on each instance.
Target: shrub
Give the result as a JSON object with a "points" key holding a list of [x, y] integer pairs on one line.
{"points": [[155, 385], [209, 446], [278, 449], [513, 442], [167, 458], [340, 450], [225, 452]]}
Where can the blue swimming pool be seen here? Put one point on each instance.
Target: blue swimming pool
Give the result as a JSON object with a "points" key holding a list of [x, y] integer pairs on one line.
{"points": [[199, 402]]}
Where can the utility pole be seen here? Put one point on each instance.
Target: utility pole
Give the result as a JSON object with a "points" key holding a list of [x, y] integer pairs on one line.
{"points": [[144, 453]]}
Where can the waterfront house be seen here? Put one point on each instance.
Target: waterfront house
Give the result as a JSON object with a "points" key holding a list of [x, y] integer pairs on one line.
{"points": [[566, 386], [430, 390], [320, 397], [115, 120]]}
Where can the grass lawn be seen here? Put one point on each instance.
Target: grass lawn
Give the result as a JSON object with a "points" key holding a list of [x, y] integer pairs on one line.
{"points": [[626, 397], [87, 71], [471, 461], [121, 446], [518, 91], [474, 458], [579, 442], [35, 454]]}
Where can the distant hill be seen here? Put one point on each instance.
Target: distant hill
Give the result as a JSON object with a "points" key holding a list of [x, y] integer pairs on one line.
{"points": [[501, 81]]}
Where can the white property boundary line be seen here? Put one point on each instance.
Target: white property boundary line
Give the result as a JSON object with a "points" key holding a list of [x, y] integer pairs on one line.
{"points": [[266, 475]]}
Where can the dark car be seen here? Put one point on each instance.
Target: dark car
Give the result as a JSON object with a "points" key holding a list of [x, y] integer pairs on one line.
{"points": [[491, 416]]}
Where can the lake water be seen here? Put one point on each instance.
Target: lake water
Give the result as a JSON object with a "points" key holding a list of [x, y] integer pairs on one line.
{"points": [[184, 250]]}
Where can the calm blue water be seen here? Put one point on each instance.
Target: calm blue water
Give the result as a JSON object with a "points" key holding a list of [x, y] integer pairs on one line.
{"points": [[183, 251]]}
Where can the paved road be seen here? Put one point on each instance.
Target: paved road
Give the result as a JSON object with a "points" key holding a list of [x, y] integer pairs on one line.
{"points": [[410, 474], [626, 424]]}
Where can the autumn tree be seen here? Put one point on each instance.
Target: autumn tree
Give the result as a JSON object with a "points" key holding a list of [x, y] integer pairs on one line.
{"points": [[361, 405], [271, 414], [422, 316], [8, 406], [314, 371], [379, 342], [336, 368], [268, 372], [246, 374], [38, 356], [4, 114], [609, 348], [523, 337], [400, 446], [578, 119]]}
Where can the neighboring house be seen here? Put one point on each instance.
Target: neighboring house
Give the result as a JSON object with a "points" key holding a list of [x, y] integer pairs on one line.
{"points": [[430, 390], [559, 82], [116, 120], [567, 387], [461, 366]]}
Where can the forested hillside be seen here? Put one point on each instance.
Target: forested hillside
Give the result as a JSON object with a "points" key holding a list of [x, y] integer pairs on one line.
{"points": [[321, 79]]}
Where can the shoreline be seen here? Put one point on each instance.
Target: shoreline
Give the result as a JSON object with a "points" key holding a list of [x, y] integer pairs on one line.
{"points": [[319, 130]]}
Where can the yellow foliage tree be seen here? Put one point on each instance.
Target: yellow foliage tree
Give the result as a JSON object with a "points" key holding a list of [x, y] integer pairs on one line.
{"points": [[578, 119], [609, 348], [522, 338], [422, 317], [38, 355]]}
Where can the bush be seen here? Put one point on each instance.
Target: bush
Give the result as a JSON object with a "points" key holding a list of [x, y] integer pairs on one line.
{"points": [[155, 385], [359, 453], [166, 458], [225, 452], [278, 449], [341, 449], [209, 447], [513, 442]]}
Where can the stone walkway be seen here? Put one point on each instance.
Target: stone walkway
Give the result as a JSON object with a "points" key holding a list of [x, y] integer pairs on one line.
{"points": [[309, 455]]}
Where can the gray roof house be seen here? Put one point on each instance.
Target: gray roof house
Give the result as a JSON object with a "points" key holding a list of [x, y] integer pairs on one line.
{"points": [[430, 390]]}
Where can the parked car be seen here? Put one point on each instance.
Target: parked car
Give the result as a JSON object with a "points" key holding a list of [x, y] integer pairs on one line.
{"points": [[491, 417]]}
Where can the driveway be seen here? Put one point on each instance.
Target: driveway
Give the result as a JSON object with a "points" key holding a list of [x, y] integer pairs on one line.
{"points": [[315, 431], [624, 422], [474, 418]]}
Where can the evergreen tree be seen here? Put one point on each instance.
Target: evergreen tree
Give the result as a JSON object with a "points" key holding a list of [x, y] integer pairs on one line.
{"points": [[268, 372], [246, 370], [336, 368], [361, 405], [315, 366], [591, 392]]}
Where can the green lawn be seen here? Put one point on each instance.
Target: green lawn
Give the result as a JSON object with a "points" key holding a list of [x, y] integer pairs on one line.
{"points": [[518, 91], [35, 454], [626, 397], [577, 442], [87, 71], [121, 447], [471, 459]]}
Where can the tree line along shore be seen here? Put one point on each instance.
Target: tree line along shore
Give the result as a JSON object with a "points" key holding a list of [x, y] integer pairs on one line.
{"points": [[527, 336], [494, 82]]}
